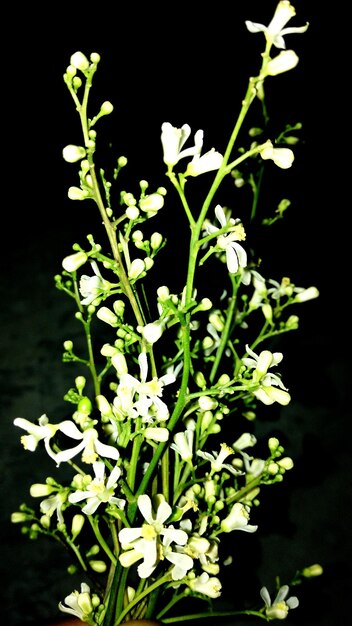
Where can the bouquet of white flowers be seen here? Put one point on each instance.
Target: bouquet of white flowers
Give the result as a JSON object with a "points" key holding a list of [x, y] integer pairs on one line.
{"points": [[161, 457]]}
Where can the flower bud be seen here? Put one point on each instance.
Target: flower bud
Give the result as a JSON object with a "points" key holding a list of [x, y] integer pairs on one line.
{"points": [[286, 60], [79, 61], [77, 525], [38, 490], [74, 261], [98, 566], [72, 153], [136, 269], [106, 108], [312, 570], [106, 315], [206, 403], [75, 193], [306, 294]]}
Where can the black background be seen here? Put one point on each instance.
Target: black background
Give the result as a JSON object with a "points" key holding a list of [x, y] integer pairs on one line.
{"points": [[179, 63]]}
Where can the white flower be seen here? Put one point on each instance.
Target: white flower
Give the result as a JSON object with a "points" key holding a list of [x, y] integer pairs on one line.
{"points": [[238, 519], [44, 431], [217, 459], [280, 607], [48, 506], [236, 256], [89, 445], [99, 490], [271, 387], [282, 157], [183, 443], [78, 603], [173, 139], [209, 586], [144, 542], [208, 162], [148, 405], [275, 31], [93, 287]]}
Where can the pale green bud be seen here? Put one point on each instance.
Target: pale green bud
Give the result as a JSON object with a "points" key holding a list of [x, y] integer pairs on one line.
{"points": [[306, 294], [74, 261], [151, 332], [156, 241], [153, 202], [273, 444], [312, 571], [79, 61], [205, 304], [292, 322], [217, 321], [72, 153], [224, 379], [122, 161], [119, 307], [19, 518], [206, 403], [80, 382], [68, 345], [45, 521], [273, 468], [267, 312], [285, 463], [200, 380], [156, 434], [120, 364], [38, 490], [106, 108], [137, 268], [107, 316], [148, 262], [283, 62], [77, 524], [98, 566], [137, 236], [163, 293], [95, 57], [75, 193]]}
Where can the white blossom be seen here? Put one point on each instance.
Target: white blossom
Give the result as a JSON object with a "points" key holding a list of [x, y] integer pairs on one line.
{"points": [[278, 609], [236, 256], [209, 586], [282, 157], [78, 604], [238, 520], [93, 287], [276, 30], [99, 490], [173, 139], [208, 162], [145, 543]]}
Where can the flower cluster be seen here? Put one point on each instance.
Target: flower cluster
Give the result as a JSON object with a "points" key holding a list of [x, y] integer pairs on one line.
{"points": [[164, 460]]}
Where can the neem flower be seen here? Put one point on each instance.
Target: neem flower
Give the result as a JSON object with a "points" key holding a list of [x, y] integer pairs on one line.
{"points": [[280, 607], [145, 543], [173, 139], [276, 30], [236, 256], [99, 490]]}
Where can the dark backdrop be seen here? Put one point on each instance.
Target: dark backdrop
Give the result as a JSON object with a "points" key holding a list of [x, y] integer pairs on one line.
{"points": [[178, 63]]}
